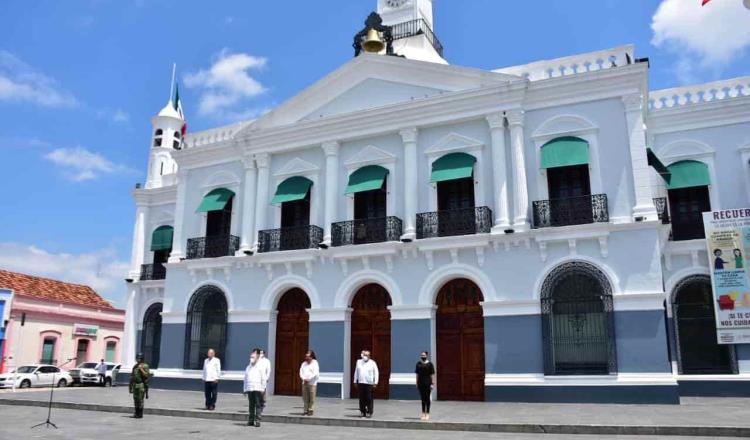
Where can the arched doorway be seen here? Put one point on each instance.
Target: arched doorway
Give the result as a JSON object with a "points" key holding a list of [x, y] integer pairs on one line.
{"points": [[371, 330], [460, 341], [151, 335], [292, 332], [577, 323], [206, 326], [698, 351]]}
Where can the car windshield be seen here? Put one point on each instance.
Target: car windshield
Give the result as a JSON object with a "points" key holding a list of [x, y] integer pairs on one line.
{"points": [[88, 365], [26, 370], [110, 367]]}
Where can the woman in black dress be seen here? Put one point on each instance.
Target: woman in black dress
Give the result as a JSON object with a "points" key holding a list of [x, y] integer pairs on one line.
{"points": [[425, 371]]}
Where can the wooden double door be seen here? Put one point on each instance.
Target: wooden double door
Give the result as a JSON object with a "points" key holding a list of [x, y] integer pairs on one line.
{"points": [[371, 330], [460, 342], [292, 339]]}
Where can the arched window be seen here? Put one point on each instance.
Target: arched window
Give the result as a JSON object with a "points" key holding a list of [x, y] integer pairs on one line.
{"points": [[206, 326], [698, 351], [151, 335], [157, 137], [176, 143], [110, 353], [48, 350], [688, 198], [577, 323]]}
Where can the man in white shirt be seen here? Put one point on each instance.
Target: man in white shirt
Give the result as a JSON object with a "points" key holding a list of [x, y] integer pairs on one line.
{"points": [[211, 374], [254, 386], [265, 366], [309, 372], [102, 370], [366, 377]]}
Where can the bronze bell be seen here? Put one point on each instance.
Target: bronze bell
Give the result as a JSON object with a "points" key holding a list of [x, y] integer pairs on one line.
{"points": [[373, 43]]}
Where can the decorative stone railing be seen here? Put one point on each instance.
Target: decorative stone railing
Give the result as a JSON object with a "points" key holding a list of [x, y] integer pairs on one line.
{"points": [[213, 136], [588, 62], [708, 92]]}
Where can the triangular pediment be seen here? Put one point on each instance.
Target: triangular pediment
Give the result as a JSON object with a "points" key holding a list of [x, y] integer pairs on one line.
{"points": [[297, 166], [375, 81], [368, 156], [454, 142]]}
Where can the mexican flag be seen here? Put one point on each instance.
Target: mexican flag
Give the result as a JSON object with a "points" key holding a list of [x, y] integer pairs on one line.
{"points": [[178, 108]]}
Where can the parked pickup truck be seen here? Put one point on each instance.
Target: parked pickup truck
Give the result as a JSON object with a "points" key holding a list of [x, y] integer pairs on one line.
{"points": [[86, 373]]}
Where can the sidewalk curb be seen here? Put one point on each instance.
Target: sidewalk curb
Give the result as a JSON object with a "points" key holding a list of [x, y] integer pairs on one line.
{"points": [[355, 422]]}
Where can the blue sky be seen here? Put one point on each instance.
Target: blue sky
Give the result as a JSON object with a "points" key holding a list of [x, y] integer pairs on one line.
{"points": [[79, 81]]}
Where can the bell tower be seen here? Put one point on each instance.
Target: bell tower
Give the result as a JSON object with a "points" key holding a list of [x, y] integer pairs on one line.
{"points": [[413, 30], [166, 137]]}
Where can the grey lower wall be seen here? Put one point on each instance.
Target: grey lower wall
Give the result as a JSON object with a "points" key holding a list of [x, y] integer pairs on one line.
{"points": [[641, 339], [242, 337], [327, 340], [513, 344], [172, 353], [409, 337], [666, 394], [329, 390]]}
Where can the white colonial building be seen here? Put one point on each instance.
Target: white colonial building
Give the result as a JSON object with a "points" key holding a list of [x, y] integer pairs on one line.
{"points": [[536, 228]]}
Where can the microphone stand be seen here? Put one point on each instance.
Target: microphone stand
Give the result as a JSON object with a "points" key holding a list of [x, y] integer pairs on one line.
{"points": [[49, 423]]}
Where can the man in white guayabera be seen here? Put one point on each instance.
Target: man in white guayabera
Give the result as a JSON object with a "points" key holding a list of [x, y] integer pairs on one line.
{"points": [[211, 374]]}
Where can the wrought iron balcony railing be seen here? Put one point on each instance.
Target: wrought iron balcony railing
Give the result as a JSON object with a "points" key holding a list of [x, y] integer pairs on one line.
{"points": [[571, 211], [417, 27], [287, 239], [465, 221], [155, 271], [212, 247], [662, 209], [371, 230]]}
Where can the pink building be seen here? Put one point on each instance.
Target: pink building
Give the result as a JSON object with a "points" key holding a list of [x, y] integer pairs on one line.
{"points": [[62, 321]]}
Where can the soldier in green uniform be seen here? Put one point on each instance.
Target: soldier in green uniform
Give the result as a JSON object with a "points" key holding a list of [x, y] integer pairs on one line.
{"points": [[139, 385]]}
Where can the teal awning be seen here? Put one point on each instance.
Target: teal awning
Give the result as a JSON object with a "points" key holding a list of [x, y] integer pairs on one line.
{"points": [[292, 189], [687, 174], [656, 164], [216, 200], [366, 179], [161, 239], [564, 152], [453, 166]]}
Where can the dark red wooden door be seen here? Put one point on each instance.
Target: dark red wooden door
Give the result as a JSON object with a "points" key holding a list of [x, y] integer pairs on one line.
{"points": [[292, 332], [371, 330], [460, 342]]}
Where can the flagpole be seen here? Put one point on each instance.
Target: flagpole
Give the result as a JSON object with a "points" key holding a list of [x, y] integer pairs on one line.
{"points": [[171, 86]]}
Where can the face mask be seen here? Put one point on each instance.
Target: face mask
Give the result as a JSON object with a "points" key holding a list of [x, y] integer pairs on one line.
{"points": [[365, 358], [424, 358]]}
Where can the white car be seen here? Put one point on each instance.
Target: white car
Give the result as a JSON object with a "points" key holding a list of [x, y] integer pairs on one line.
{"points": [[87, 373], [28, 376]]}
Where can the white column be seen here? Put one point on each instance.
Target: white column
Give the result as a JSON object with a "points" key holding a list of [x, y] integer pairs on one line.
{"points": [[411, 186], [521, 193], [248, 206], [500, 178], [129, 342], [263, 161], [331, 150], [644, 204], [178, 242], [139, 240]]}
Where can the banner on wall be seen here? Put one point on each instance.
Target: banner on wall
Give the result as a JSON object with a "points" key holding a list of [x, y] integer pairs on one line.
{"points": [[91, 330], [728, 243]]}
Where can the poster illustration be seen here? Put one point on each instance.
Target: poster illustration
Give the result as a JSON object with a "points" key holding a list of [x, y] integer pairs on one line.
{"points": [[728, 243]]}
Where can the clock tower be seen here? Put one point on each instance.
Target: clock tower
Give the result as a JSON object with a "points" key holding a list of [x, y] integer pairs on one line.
{"points": [[412, 29]]}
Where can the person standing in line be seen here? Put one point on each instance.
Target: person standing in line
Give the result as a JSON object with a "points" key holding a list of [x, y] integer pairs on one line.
{"points": [[266, 368], [425, 372], [139, 384], [366, 377], [102, 370], [254, 385], [211, 374], [309, 372]]}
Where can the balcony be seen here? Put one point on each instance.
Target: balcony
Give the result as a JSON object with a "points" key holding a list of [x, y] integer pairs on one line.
{"points": [[155, 271], [417, 27], [570, 211], [287, 239], [466, 221], [371, 230], [212, 247]]}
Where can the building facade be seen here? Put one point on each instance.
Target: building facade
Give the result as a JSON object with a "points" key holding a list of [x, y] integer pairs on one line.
{"points": [[57, 323], [536, 228]]}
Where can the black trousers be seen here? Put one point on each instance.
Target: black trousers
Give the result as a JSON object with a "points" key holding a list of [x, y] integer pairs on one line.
{"points": [[424, 394], [211, 389], [253, 409], [102, 379], [365, 398]]}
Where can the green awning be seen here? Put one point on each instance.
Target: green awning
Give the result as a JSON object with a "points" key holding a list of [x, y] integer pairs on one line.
{"points": [[366, 179], [292, 189], [658, 166], [453, 166], [687, 174], [161, 239], [564, 152], [216, 200]]}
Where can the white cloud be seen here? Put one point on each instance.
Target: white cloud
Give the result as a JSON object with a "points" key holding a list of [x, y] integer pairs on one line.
{"points": [[227, 82], [101, 270], [80, 164], [121, 116], [19, 82], [706, 37]]}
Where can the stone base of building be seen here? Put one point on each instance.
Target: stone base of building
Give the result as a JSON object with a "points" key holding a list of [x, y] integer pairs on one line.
{"points": [[714, 388], [631, 394]]}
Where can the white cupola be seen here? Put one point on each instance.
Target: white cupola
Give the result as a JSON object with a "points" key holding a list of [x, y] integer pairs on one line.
{"points": [[166, 137]]}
